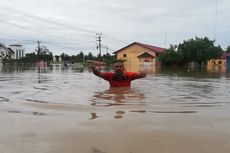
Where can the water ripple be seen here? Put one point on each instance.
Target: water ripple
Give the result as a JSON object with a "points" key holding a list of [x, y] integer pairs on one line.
{"points": [[3, 99]]}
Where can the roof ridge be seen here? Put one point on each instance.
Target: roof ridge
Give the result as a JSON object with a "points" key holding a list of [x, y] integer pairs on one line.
{"points": [[153, 48], [148, 45]]}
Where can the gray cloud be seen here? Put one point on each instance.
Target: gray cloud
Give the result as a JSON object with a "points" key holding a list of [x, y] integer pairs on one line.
{"points": [[77, 21]]}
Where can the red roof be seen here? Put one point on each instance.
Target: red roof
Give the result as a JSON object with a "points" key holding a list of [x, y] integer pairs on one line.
{"points": [[150, 47], [226, 54]]}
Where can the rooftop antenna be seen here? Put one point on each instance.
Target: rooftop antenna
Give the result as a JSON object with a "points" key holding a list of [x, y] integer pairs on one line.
{"points": [[166, 38]]}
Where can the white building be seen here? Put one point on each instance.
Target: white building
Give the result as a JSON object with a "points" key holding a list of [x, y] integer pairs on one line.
{"points": [[5, 52], [19, 51]]}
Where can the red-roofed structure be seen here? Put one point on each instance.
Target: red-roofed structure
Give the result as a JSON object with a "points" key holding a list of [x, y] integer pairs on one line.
{"points": [[226, 54], [150, 47], [140, 57]]}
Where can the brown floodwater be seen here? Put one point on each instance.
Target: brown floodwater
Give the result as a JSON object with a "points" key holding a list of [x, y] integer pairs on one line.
{"points": [[64, 110]]}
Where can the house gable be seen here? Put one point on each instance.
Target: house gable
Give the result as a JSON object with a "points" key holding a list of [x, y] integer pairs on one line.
{"points": [[138, 56], [145, 54], [4, 50], [148, 47]]}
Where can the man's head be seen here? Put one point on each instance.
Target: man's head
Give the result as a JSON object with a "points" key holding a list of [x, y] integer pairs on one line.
{"points": [[118, 67]]}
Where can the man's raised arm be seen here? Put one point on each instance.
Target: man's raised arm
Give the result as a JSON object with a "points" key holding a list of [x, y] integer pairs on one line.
{"points": [[139, 75], [96, 72]]}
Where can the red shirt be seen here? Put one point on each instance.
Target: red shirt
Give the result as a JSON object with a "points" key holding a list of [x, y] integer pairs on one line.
{"points": [[116, 81]]}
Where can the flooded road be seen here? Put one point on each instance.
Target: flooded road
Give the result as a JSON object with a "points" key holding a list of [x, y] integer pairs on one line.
{"points": [[58, 109]]}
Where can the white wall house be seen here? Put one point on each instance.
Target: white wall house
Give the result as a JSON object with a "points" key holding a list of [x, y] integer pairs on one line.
{"points": [[19, 51], [5, 52]]}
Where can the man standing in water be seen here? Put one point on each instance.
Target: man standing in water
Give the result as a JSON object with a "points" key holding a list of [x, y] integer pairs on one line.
{"points": [[118, 78]]}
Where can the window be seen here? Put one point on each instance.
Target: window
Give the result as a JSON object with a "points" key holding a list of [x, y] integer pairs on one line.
{"points": [[125, 55], [146, 60]]}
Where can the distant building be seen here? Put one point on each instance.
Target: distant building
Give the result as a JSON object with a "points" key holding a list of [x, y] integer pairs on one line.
{"points": [[227, 55], [19, 51], [59, 59], [54, 59], [140, 57], [5, 52], [219, 64]]}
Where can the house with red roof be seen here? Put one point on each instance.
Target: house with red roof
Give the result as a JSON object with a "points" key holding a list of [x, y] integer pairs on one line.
{"points": [[140, 57]]}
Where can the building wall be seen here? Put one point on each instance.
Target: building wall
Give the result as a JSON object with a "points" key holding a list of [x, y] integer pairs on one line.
{"points": [[132, 62], [228, 61], [3, 52], [19, 51], [216, 65]]}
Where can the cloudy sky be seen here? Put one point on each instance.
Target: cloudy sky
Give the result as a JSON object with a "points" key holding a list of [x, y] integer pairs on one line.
{"points": [[71, 26]]}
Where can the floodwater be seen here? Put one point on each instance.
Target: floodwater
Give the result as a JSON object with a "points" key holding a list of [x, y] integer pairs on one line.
{"points": [[63, 110]]}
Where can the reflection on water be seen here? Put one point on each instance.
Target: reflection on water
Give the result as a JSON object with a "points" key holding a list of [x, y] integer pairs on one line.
{"points": [[3, 99], [124, 96], [94, 116], [119, 114], [63, 106], [24, 112], [65, 89], [183, 112], [118, 96]]}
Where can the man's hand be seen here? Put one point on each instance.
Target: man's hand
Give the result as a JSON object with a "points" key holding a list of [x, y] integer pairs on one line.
{"points": [[96, 71], [92, 67]]}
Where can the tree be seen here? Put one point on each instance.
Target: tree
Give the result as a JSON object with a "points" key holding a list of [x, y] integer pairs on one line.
{"points": [[43, 53], [47, 57], [99, 57], [228, 49], [108, 58], [65, 57], [29, 58], [89, 56], [199, 50], [171, 56], [81, 57], [56, 58]]}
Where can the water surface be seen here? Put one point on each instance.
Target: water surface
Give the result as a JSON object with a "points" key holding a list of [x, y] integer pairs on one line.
{"points": [[75, 111]]}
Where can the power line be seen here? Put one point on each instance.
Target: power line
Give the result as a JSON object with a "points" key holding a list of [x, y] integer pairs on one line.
{"points": [[40, 32], [107, 48], [38, 18], [115, 39], [16, 11], [24, 41]]}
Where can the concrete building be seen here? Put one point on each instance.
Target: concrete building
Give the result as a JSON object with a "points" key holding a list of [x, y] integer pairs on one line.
{"points": [[5, 52], [219, 64], [227, 55], [140, 57], [19, 51]]}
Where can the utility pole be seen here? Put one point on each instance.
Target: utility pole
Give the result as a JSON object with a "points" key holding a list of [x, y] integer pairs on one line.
{"points": [[166, 35], [39, 48], [106, 56], [98, 36]]}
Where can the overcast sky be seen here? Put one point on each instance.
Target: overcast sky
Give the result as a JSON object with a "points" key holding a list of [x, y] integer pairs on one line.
{"points": [[70, 26]]}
